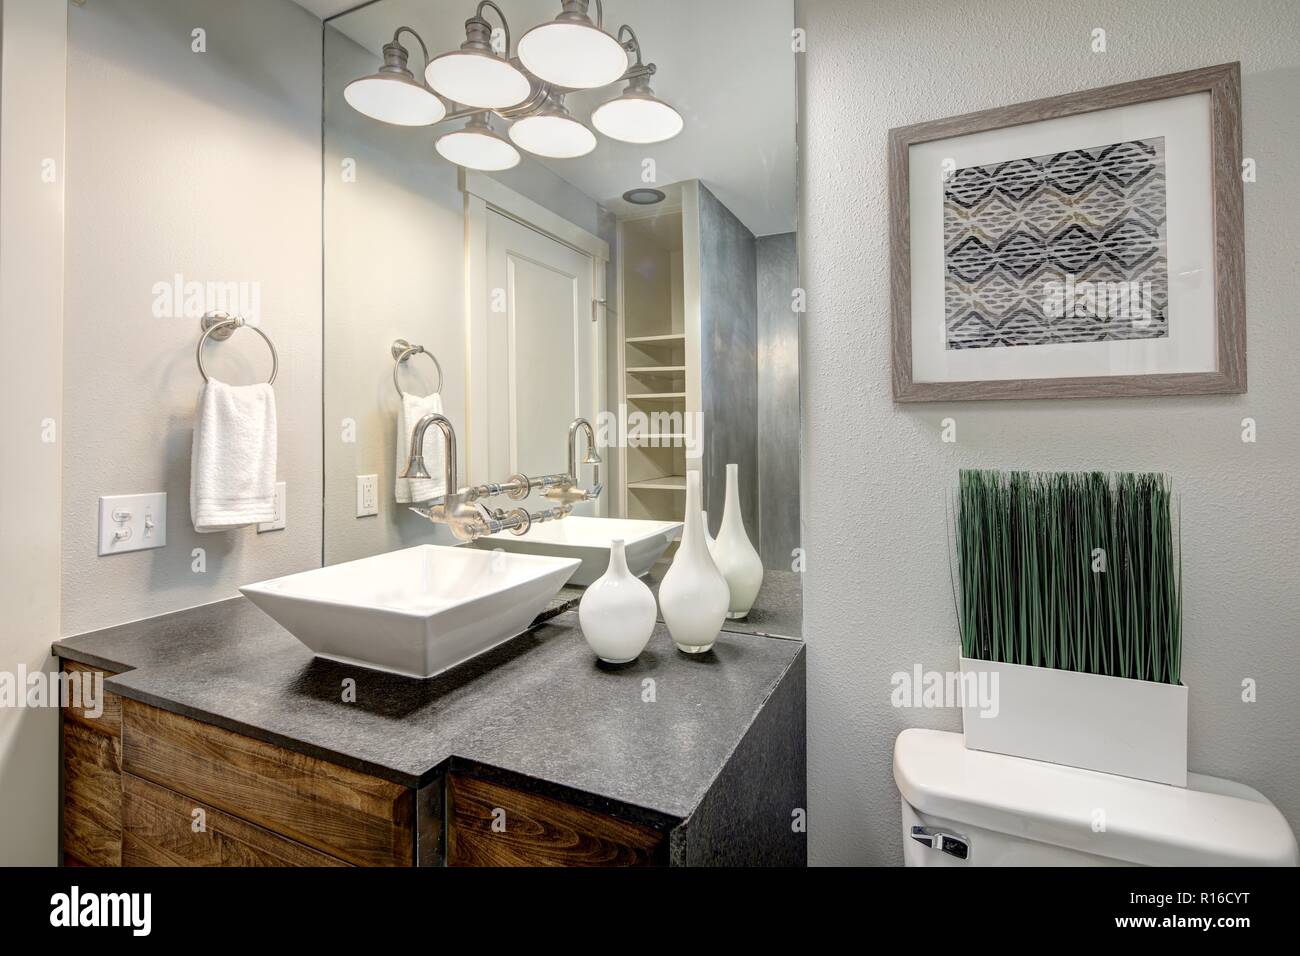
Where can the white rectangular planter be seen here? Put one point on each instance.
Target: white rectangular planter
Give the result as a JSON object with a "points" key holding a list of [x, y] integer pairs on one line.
{"points": [[1134, 728]]}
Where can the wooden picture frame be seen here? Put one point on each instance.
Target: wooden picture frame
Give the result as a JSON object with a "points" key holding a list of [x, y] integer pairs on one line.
{"points": [[1223, 84]]}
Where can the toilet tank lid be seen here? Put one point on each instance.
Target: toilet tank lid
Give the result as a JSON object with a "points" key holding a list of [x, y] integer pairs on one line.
{"points": [[1211, 822]]}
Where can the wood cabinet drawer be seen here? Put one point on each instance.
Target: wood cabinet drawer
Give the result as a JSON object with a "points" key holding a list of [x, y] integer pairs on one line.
{"points": [[533, 830], [92, 774], [158, 829], [341, 812]]}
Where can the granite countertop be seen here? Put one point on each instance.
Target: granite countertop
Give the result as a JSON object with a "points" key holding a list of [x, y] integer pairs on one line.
{"points": [[777, 611], [540, 707]]}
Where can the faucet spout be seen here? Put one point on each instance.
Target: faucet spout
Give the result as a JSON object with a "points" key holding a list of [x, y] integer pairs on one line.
{"points": [[415, 462], [593, 457]]}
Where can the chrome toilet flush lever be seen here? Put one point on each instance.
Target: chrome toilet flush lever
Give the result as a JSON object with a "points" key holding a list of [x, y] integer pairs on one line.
{"points": [[942, 840], [463, 512]]}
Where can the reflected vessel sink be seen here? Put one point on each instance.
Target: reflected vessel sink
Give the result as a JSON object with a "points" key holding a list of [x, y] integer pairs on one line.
{"points": [[587, 539], [418, 611]]}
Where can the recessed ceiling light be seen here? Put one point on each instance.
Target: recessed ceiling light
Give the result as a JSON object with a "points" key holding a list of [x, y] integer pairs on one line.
{"points": [[644, 196]]}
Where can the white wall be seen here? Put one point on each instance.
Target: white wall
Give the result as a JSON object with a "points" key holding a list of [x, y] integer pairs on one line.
{"points": [[32, 69], [205, 164], [877, 595]]}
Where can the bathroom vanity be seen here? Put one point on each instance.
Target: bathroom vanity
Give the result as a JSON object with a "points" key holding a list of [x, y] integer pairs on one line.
{"points": [[223, 741]]}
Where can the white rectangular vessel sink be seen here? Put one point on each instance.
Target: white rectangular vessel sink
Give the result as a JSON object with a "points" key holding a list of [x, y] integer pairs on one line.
{"points": [[418, 611], [588, 540]]}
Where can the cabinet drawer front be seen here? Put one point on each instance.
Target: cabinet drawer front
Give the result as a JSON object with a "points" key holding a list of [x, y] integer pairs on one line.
{"points": [[347, 814], [539, 831], [158, 829]]}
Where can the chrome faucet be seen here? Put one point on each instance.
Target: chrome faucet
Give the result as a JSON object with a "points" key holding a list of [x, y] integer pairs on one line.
{"points": [[466, 519], [567, 490], [461, 509]]}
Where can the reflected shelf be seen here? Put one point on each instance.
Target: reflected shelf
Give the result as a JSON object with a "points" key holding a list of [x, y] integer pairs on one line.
{"points": [[661, 483]]}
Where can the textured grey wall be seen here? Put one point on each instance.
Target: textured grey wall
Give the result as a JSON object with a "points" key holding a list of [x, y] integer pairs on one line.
{"points": [[728, 359], [207, 165], [877, 597], [778, 401]]}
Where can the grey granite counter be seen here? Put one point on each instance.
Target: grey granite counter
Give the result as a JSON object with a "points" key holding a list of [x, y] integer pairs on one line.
{"points": [[777, 611], [653, 736]]}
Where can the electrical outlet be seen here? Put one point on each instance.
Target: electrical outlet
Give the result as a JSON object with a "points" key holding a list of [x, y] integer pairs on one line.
{"points": [[276, 523], [132, 523], [367, 495]]}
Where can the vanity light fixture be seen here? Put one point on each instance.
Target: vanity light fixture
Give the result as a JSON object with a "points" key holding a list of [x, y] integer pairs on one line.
{"points": [[393, 95], [476, 75], [553, 132], [571, 51], [637, 115], [478, 146], [480, 78]]}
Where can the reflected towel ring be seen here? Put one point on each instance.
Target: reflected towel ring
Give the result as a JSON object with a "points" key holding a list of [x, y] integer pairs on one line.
{"points": [[402, 350], [221, 326]]}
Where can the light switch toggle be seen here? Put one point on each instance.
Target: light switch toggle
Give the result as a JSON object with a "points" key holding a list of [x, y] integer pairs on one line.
{"points": [[132, 522]]}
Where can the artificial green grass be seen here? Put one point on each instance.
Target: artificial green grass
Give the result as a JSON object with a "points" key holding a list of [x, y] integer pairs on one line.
{"points": [[1026, 551]]}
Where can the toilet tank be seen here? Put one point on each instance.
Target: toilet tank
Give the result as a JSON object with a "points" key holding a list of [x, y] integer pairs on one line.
{"points": [[971, 808]]}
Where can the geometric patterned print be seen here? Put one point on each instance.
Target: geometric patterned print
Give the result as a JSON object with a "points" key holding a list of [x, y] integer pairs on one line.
{"points": [[1068, 247]]}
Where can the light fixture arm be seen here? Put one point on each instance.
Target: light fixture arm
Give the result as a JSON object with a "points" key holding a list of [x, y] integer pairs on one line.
{"points": [[632, 44], [424, 50], [505, 26]]}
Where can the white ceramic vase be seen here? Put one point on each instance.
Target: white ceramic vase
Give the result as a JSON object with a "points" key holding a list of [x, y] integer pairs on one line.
{"points": [[617, 611], [735, 555], [693, 595], [708, 537]]}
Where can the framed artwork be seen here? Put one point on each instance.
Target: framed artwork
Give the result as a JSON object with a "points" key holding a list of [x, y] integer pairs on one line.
{"points": [[1085, 245]]}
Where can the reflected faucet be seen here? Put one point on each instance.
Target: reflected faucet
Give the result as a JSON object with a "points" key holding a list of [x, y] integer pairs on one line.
{"points": [[460, 509], [567, 490]]}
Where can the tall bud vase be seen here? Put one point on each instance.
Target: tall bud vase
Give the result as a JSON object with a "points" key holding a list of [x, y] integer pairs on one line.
{"points": [[693, 595], [617, 612], [735, 555]]}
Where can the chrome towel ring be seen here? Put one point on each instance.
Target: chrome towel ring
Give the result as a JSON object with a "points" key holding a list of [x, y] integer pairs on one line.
{"points": [[221, 326], [402, 350]]}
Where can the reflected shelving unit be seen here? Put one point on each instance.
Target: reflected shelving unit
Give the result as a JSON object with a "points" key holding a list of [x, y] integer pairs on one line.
{"points": [[659, 362]]}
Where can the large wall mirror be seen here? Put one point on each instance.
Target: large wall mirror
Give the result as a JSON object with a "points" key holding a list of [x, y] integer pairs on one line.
{"points": [[523, 261]]}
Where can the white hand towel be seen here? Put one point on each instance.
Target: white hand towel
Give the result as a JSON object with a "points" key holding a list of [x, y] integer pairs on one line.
{"points": [[232, 465], [414, 490]]}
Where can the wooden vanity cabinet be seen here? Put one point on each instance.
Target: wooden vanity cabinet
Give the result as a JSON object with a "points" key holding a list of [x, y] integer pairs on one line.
{"points": [[295, 803], [146, 787]]}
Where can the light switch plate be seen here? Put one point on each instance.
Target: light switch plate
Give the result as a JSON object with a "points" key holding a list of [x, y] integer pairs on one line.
{"points": [[277, 523], [132, 523], [367, 495]]}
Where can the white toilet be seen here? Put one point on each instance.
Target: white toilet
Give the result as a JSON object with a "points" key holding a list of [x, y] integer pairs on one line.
{"points": [[970, 808]]}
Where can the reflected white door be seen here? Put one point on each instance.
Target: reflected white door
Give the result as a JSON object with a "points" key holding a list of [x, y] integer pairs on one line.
{"points": [[543, 369]]}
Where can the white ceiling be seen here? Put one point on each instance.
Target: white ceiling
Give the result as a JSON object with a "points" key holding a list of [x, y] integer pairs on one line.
{"points": [[726, 65], [327, 8]]}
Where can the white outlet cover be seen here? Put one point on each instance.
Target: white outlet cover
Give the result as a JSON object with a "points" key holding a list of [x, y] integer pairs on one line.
{"points": [[277, 524], [123, 521], [367, 495]]}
